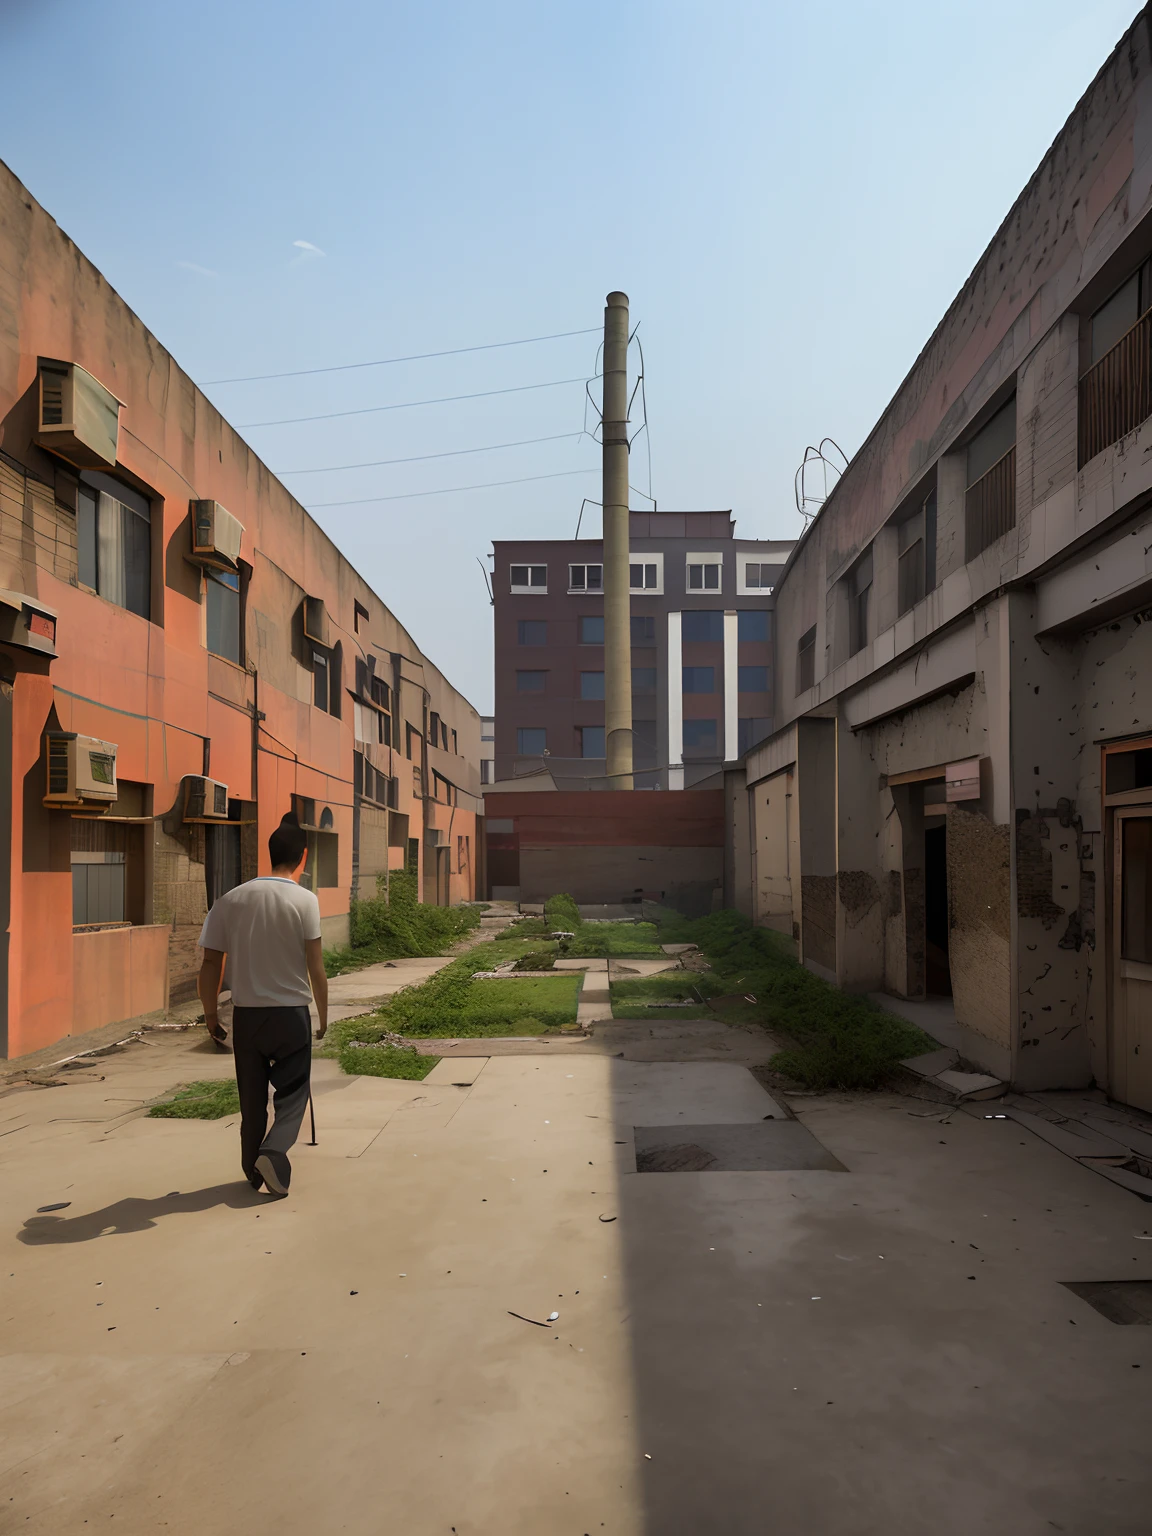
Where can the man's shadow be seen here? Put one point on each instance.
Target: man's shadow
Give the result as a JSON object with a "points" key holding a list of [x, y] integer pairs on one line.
{"points": [[133, 1215]]}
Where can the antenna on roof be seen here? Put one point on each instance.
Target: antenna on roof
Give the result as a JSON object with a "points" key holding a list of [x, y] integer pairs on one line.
{"points": [[813, 485], [487, 583]]}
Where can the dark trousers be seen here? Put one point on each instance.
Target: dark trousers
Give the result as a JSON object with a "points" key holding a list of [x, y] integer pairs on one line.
{"points": [[271, 1045]]}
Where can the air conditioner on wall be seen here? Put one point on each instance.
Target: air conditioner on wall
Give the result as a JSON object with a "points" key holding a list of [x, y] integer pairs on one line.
{"points": [[81, 770], [205, 799], [216, 536], [77, 417]]}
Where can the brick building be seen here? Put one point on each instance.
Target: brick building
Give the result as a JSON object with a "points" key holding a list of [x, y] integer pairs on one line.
{"points": [[957, 799], [184, 656], [701, 607]]}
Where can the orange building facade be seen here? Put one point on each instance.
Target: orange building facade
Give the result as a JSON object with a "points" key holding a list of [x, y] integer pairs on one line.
{"points": [[184, 657]]}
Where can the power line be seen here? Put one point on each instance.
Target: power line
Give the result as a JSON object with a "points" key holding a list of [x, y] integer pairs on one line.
{"points": [[382, 362], [419, 458], [518, 389], [452, 489]]}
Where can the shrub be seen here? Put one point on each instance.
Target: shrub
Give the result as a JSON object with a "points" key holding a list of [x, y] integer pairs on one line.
{"points": [[562, 912], [394, 923], [386, 1061]]}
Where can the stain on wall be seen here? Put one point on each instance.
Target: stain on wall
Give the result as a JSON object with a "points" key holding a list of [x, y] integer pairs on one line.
{"points": [[979, 927], [818, 919]]}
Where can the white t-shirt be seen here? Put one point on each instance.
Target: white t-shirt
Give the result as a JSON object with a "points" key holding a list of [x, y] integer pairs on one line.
{"points": [[263, 926]]}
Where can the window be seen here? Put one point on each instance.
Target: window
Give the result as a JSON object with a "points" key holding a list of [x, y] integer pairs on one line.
{"points": [[752, 679], [367, 723], [531, 740], [916, 567], [320, 679], [643, 679], [434, 728], [704, 575], [759, 576], [322, 863], [701, 624], [1116, 317], [99, 869], [990, 500], [591, 629], [222, 601], [379, 693], [750, 731], [411, 742], [591, 685], [699, 679], [532, 632], [443, 736], [488, 730], [585, 578], [753, 625], [643, 577], [360, 616], [529, 578], [592, 741], [114, 542], [531, 682], [806, 661], [486, 767], [859, 585], [644, 743], [643, 627], [700, 737], [455, 744]]}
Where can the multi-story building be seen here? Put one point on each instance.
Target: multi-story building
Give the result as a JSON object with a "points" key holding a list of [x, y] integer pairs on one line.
{"points": [[701, 609], [487, 749], [957, 799], [184, 657]]}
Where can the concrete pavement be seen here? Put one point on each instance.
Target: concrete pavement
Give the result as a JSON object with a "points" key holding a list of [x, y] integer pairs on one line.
{"points": [[796, 1351]]}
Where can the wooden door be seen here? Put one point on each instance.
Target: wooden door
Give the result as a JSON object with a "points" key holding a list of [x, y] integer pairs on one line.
{"points": [[1132, 955]]}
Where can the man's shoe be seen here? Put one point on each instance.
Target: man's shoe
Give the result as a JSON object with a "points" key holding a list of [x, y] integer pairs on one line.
{"points": [[256, 1181], [276, 1171]]}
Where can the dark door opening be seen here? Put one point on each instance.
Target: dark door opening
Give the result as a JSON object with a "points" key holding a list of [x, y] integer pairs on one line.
{"points": [[937, 976]]}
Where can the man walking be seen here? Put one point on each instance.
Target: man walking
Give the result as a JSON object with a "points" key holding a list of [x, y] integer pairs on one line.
{"points": [[269, 929]]}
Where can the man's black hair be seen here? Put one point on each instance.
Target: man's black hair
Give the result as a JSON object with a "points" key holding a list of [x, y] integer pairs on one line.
{"points": [[288, 843]]}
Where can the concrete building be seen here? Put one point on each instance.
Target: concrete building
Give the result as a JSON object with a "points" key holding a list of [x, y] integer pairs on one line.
{"points": [[701, 608], [957, 799], [184, 657]]}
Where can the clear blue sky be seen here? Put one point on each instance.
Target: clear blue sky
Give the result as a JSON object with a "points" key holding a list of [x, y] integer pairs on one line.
{"points": [[791, 195]]}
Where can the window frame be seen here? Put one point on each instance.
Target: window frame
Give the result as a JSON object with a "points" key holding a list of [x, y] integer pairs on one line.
{"points": [[684, 688], [94, 489], [858, 587], [743, 670], [647, 559], [745, 588], [228, 581], [693, 749], [540, 672], [521, 731], [806, 661], [523, 624], [596, 757], [584, 585], [707, 560], [593, 698], [589, 618], [528, 588]]}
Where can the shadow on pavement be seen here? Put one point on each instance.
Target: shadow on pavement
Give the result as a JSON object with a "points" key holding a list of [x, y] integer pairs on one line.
{"points": [[134, 1215]]}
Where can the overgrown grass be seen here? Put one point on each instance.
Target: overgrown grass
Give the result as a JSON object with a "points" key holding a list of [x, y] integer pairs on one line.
{"points": [[200, 1101], [450, 1004], [631, 996], [597, 940], [394, 924], [840, 1040], [386, 1061]]}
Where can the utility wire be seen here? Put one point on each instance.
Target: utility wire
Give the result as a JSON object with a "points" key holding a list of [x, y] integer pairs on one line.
{"points": [[451, 490], [402, 405], [419, 458], [382, 362]]}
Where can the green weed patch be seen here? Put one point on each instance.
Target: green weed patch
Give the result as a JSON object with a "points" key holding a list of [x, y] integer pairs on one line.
{"points": [[394, 924], [839, 1040], [200, 1101], [386, 1061]]}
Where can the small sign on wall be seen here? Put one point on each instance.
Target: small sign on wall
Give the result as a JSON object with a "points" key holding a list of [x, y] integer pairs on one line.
{"points": [[962, 780]]}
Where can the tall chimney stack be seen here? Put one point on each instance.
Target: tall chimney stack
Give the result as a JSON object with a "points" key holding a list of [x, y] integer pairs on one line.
{"points": [[617, 627]]}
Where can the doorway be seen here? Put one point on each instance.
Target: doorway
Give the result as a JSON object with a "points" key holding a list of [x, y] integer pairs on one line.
{"points": [[937, 973]]}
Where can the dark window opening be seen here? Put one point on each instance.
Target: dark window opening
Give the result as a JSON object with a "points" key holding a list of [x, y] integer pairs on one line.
{"points": [[859, 585], [114, 542], [223, 629], [937, 975], [699, 679], [586, 578], [752, 679], [704, 578], [753, 625], [916, 565], [320, 679], [806, 661], [591, 685], [642, 577], [700, 625], [643, 627], [760, 576], [533, 576], [990, 500], [643, 680], [592, 741], [531, 682], [699, 738], [591, 629], [360, 616], [531, 740], [532, 632]]}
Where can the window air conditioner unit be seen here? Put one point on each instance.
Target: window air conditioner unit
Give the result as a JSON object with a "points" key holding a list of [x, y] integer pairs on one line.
{"points": [[81, 770], [205, 799], [78, 418], [216, 536], [27, 622], [315, 620]]}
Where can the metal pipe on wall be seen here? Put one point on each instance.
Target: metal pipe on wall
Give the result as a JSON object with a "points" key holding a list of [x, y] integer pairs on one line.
{"points": [[617, 633]]}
